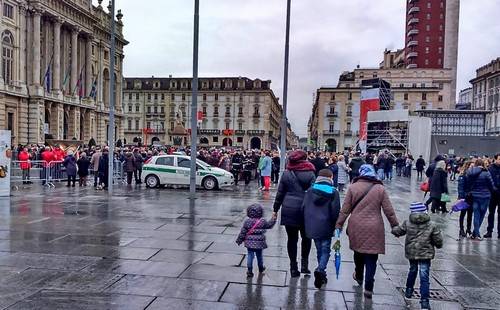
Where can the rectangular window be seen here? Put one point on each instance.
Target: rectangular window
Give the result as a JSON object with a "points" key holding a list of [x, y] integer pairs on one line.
{"points": [[215, 139], [240, 126], [240, 111], [227, 125], [156, 96], [348, 127], [331, 127], [137, 108], [228, 110], [427, 39], [406, 96], [183, 97], [149, 97], [171, 125], [130, 96], [149, 109], [428, 27], [136, 124], [172, 97], [130, 108], [204, 111], [162, 96], [216, 111], [429, 5], [148, 125], [350, 96], [129, 124], [204, 97], [10, 121], [424, 96], [239, 139], [216, 97], [137, 96], [332, 97], [427, 50], [156, 109], [162, 109], [440, 98], [8, 10]]}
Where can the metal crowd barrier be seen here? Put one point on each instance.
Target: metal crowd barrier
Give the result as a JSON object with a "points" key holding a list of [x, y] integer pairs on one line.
{"points": [[49, 173], [36, 172]]}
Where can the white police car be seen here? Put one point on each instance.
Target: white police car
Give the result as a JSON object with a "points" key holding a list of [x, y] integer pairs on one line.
{"points": [[174, 170]]}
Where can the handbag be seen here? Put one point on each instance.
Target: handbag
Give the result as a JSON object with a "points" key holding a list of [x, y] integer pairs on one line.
{"points": [[445, 197], [424, 187], [460, 205]]}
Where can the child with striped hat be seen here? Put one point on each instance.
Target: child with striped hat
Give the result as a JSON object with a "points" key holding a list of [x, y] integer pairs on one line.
{"points": [[422, 236]]}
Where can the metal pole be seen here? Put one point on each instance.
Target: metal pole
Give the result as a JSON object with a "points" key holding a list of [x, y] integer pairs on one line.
{"points": [[194, 102], [111, 127], [285, 90]]}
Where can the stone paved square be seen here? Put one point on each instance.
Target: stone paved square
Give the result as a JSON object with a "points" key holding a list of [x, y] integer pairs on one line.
{"points": [[152, 249]]}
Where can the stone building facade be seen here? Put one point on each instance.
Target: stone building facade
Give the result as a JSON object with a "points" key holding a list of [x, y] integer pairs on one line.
{"points": [[234, 111], [335, 121], [486, 94], [54, 53]]}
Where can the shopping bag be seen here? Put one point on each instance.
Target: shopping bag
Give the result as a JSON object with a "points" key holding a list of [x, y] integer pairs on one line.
{"points": [[424, 187], [445, 197]]}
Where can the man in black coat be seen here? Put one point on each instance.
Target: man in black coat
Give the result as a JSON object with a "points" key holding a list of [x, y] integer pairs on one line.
{"points": [[318, 163], [419, 165]]}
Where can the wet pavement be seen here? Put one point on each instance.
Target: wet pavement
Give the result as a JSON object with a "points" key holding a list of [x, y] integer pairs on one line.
{"points": [[77, 248]]}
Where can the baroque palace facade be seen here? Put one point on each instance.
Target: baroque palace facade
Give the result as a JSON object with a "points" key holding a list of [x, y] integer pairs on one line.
{"points": [[55, 70], [233, 111]]}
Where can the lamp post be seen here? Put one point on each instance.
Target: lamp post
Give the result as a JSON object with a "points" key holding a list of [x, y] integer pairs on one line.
{"points": [[194, 102], [111, 127], [285, 90]]}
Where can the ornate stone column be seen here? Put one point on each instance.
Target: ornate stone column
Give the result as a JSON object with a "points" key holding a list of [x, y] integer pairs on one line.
{"points": [[74, 58], [37, 13], [22, 43], [88, 65], [56, 76]]}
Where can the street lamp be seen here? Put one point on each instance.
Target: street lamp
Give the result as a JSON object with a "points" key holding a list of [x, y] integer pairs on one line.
{"points": [[285, 90], [194, 102], [111, 127]]}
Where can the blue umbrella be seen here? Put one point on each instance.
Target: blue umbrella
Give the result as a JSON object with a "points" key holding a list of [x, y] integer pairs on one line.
{"points": [[337, 257]]}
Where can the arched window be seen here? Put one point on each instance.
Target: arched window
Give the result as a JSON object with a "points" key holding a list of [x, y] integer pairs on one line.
{"points": [[7, 56]]}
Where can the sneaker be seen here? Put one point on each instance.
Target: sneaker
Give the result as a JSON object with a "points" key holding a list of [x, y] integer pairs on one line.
{"points": [[294, 273], [368, 294], [477, 238], [488, 235], [318, 279], [360, 282], [249, 274], [469, 233], [462, 234], [408, 292], [424, 304]]}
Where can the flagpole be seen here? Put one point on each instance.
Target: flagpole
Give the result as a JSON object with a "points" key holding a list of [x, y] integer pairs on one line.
{"points": [[194, 102], [285, 90], [111, 129]]}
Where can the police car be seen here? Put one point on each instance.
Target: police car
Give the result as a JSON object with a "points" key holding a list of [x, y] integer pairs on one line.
{"points": [[174, 170]]}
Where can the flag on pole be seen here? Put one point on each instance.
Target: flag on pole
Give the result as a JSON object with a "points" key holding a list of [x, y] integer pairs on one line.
{"points": [[93, 91], [47, 78], [79, 84], [66, 78]]}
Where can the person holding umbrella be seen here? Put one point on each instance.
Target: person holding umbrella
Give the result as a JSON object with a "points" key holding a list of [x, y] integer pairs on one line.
{"points": [[321, 209]]}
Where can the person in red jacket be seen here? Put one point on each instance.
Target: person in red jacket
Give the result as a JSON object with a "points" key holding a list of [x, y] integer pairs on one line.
{"points": [[47, 157], [25, 165]]}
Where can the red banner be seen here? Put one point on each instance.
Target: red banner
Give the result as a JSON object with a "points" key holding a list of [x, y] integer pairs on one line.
{"points": [[200, 115], [370, 101]]}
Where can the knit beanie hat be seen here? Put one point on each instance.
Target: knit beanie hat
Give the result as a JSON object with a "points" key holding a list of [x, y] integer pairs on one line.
{"points": [[418, 207]]}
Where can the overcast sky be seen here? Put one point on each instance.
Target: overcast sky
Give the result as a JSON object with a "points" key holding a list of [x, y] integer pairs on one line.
{"points": [[246, 38]]}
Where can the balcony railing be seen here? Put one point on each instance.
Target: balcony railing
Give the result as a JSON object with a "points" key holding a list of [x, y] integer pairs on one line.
{"points": [[209, 131], [239, 132], [348, 113], [240, 114], [412, 43], [413, 32], [227, 115], [348, 133], [216, 114], [413, 21], [256, 132], [256, 115], [332, 114], [331, 132], [414, 10], [412, 55], [411, 66]]}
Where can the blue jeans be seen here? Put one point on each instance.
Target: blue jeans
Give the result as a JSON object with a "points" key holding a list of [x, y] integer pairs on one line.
{"points": [[381, 173], [250, 256], [323, 253], [388, 174], [425, 270], [368, 261], [480, 206]]}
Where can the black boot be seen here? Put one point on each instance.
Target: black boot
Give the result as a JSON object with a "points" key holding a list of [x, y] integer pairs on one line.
{"points": [[304, 267], [294, 270], [462, 233]]}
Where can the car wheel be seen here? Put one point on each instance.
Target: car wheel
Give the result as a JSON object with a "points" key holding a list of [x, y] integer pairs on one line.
{"points": [[209, 183], [152, 181]]}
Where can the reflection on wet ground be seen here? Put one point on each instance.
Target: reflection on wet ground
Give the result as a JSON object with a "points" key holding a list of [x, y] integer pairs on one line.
{"points": [[153, 249]]}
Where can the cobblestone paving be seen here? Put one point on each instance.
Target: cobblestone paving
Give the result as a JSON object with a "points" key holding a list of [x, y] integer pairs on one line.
{"points": [[151, 249]]}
